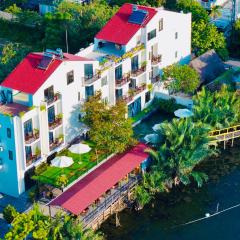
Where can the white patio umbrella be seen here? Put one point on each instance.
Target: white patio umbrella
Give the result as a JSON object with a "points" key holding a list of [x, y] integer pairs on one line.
{"points": [[62, 161], [183, 113], [156, 127], [79, 148], [152, 138]]}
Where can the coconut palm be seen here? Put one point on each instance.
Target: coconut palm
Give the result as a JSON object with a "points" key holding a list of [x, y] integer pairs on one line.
{"points": [[184, 145], [215, 11]]}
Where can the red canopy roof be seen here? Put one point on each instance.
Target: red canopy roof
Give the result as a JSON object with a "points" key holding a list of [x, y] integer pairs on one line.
{"points": [[28, 78], [118, 29], [83, 193]]}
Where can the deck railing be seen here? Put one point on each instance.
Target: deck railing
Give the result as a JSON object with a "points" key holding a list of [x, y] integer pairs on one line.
{"points": [[109, 200]]}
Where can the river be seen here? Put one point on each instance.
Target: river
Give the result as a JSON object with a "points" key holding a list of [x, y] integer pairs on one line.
{"points": [[164, 217]]}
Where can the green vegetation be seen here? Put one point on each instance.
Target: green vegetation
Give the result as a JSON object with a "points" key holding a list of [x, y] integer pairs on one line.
{"points": [[110, 130], [219, 109], [35, 225], [181, 78], [82, 164], [9, 213], [235, 40], [205, 35]]}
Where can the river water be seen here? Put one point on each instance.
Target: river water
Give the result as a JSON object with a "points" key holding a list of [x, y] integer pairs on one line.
{"points": [[164, 217]]}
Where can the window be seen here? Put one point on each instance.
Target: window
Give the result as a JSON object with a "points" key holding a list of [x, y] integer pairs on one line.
{"points": [[118, 72], [134, 63], [176, 35], [119, 94], [10, 155], [49, 94], [176, 54], [160, 25], [147, 97], [8, 132], [138, 39], [89, 91], [79, 96], [152, 34], [1, 163], [104, 81], [70, 77]]}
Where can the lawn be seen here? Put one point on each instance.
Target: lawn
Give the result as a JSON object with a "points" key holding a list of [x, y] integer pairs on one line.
{"points": [[82, 163]]}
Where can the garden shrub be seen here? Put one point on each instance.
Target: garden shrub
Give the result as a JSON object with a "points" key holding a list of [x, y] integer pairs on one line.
{"points": [[169, 106], [9, 213], [41, 168]]}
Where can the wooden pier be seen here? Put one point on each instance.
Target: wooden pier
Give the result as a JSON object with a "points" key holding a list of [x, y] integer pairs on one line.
{"points": [[226, 134]]}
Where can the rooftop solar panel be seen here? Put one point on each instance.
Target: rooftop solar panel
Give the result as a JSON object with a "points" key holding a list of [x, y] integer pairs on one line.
{"points": [[138, 16], [45, 62]]}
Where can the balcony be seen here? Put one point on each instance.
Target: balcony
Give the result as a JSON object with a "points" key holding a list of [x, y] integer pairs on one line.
{"points": [[138, 72], [32, 158], [31, 137], [155, 79], [50, 100], [58, 142], [56, 123], [125, 79], [132, 92], [156, 60], [88, 80]]}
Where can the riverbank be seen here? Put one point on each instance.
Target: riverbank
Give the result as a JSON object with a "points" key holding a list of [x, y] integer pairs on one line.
{"points": [[162, 217]]}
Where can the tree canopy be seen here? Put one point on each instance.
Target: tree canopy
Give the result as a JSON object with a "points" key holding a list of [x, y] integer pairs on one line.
{"points": [[182, 78], [110, 130]]}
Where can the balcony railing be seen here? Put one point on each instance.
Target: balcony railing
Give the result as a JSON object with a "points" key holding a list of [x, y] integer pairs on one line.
{"points": [[55, 144], [155, 79], [125, 79], [50, 100], [54, 124], [138, 72], [111, 198], [156, 59], [32, 158], [91, 79], [31, 137], [132, 93]]}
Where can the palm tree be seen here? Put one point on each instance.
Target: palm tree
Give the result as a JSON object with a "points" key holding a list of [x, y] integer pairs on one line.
{"points": [[219, 109], [184, 145], [215, 11]]}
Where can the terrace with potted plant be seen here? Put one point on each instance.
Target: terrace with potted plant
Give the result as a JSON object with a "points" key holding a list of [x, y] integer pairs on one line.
{"points": [[57, 121], [139, 71], [125, 79]]}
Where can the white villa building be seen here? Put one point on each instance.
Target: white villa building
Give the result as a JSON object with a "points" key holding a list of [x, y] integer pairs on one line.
{"points": [[42, 97]]}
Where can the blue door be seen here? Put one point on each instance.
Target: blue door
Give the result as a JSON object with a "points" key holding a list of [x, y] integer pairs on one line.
{"points": [[89, 91], [28, 151], [28, 127], [51, 140], [134, 63]]}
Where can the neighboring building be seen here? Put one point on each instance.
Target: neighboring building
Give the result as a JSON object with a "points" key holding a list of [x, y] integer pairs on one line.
{"points": [[46, 6], [209, 66], [42, 97]]}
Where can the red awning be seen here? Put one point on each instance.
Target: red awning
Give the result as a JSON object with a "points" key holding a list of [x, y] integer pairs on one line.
{"points": [[83, 193]]}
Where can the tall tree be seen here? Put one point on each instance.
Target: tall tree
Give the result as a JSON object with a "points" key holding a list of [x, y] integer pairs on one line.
{"points": [[110, 130]]}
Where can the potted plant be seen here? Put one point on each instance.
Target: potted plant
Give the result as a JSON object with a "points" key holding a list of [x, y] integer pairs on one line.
{"points": [[36, 132], [143, 65], [37, 151], [143, 85], [131, 93], [60, 137]]}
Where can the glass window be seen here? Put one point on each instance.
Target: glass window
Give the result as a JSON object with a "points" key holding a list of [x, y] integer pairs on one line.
{"points": [[119, 93], [118, 72], [8, 132], [70, 77], [28, 128], [134, 63], [88, 71], [28, 151], [49, 93], [152, 34], [147, 96], [51, 114], [10, 155], [176, 54], [160, 25], [51, 139], [176, 35], [104, 81]]}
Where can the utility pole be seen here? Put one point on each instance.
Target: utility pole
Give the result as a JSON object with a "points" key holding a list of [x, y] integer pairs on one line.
{"points": [[66, 40]]}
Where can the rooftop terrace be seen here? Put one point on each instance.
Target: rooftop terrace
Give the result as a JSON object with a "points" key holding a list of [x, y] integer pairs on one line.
{"points": [[12, 109]]}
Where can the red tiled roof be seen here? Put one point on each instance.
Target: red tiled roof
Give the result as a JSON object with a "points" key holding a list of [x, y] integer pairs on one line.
{"points": [[28, 78], [83, 193], [118, 29]]}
